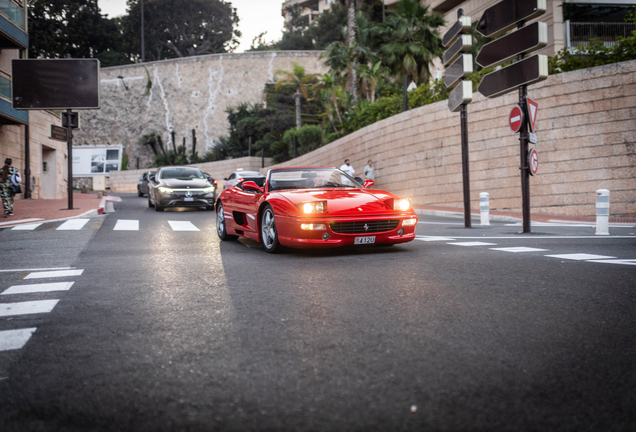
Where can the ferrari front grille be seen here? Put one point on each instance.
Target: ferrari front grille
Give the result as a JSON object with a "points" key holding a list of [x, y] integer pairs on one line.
{"points": [[363, 227]]}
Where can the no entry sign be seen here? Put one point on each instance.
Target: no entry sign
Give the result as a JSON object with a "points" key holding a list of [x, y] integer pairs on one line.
{"points": [[516, 118], [533, 161]]}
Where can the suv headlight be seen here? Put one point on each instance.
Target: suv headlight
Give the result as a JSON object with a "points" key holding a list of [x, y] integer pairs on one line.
{"points": [[401, 204], [164, 189], [314, 207], [209, 189]]}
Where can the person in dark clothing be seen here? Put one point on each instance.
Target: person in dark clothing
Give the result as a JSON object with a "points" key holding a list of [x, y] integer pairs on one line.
{"points": [[7, 181]]}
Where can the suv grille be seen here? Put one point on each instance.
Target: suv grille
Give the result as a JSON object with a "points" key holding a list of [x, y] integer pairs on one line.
{"points": [[358, 227]]}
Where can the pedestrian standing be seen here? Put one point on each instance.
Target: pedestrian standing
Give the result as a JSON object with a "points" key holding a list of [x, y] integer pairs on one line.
{"points": [[368, 171], [9, 180], [347, 168]]}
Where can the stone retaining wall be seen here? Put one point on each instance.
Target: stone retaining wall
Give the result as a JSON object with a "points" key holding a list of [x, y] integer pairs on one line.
{"points": [[586, 128]]}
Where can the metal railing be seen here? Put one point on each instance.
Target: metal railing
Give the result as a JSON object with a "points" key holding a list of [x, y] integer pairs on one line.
{"points": [[5, 87], [13, 11], [577, 33]]}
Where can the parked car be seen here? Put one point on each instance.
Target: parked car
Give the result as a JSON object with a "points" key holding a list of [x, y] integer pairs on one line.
{"points": [[211, 179], [180, 187], [240, 175], [313, 207], [142, 183]]}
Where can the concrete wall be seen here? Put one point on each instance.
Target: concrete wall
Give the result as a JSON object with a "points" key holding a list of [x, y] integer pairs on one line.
{"points": [[586, 127], [186, 94], [126, 181]]}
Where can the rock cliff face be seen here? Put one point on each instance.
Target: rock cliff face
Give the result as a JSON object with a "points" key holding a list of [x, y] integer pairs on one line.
{"points": [[179, 96]]}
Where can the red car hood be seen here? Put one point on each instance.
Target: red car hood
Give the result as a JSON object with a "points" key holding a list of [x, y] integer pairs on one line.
{"points": [[345, 201]]}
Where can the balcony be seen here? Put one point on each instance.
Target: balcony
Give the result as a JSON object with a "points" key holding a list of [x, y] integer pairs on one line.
{"points": [[7, 114], [13, 32], [5, 86], [578, 33]]}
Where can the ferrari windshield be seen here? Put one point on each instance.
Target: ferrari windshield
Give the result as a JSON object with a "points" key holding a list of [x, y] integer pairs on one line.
{"points": [[308, 178], [181, 173]]}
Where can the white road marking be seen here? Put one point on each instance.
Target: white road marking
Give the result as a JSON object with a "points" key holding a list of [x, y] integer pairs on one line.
{"points": [[580, 256], [182, 226], [34, 269], [126, 225], [433, 238], [27, 308], [26, 227], [73, 224], [15, 339], [51, 274], [20, 221], [519, 249], [38, 288], [616, 261], [440, 223], [553, 237], [473, 244]]}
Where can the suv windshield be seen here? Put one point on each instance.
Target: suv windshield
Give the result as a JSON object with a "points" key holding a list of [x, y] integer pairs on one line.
{"points": [[309, 178], [181, 173]]}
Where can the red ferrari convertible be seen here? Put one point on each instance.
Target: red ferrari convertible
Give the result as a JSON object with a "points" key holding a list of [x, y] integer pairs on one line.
{"points": [[312, 207]]}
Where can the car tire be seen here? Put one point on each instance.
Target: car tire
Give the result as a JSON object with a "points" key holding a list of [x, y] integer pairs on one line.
{"points": [[139, 194], [269, 233], [159, 208], [221, 229], [209, 208], [150, 202]]}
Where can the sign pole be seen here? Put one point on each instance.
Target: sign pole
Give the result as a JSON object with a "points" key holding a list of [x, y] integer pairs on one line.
{"points": [[523, 156], [465, 170], [69, 151]]}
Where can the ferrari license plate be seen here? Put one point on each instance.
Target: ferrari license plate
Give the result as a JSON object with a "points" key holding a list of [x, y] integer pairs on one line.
{"points": [[364, 240], [188, 199]]}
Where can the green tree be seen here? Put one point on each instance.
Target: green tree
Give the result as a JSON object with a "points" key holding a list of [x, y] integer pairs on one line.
{"points": [[410, 40], [299, 79], [181, 28], [308, 138], [75, 27]]}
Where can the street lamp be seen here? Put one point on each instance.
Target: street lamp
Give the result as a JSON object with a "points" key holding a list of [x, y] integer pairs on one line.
{"points": [[143, 42]]}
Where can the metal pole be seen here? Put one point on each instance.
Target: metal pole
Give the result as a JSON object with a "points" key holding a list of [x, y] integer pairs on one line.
{"points": [[249, 147], [406, 98], [263, 157], [465, 170], [294, 145], [69, 151], [27, 164], [523, 157], [143, 41], [383, 14]]}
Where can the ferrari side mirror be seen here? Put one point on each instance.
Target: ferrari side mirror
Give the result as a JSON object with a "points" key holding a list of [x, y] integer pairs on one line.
{"points": [[251, 186], [369, 183]]}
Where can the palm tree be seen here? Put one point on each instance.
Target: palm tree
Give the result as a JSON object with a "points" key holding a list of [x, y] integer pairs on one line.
{"points": [[411, 40], [371, 76], [298, 78], [330, 93]]}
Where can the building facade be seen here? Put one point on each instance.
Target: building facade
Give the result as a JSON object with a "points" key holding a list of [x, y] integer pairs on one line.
{"points": [[25, 135]]}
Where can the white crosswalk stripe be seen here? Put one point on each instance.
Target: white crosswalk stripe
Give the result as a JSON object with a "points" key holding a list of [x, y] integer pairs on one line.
{"points": [[519, 249], [38, 288], [581, 256], [126, 225], [26, 227], [27, 308], [182, 226], [73, 224], [51, 274], [616, 261], [469, 244], [433, 238], [15, 339]]}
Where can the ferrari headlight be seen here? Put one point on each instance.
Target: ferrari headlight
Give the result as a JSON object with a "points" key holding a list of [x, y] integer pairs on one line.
{"points": [[209, 189], [164, 189], [314, 207], [409, 222], [319, 226], [402, 204]]}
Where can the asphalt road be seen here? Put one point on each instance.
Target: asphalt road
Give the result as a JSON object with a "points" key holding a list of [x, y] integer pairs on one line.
{"points": [[169, 330]]}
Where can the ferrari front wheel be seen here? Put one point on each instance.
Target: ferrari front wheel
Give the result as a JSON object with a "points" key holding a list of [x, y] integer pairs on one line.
{"points": [[220, 224], [269, 234]]}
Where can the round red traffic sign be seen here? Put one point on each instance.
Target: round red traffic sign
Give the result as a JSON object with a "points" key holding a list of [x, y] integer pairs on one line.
{"points": [[516, 118], [533, 161]]}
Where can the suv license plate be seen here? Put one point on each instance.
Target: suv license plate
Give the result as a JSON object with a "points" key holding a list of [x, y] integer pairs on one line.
{"points": [[364, 240], [188, 199]]}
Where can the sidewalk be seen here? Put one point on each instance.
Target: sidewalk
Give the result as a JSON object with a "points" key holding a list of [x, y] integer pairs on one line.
{"points": [[496, 215], [40, 210]]}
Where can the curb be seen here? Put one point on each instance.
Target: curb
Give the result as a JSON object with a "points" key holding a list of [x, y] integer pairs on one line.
{"points": [[460, 215]]}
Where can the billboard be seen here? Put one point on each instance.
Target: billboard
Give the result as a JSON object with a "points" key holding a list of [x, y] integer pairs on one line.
{"points": [[98, 160], [55, 84]]}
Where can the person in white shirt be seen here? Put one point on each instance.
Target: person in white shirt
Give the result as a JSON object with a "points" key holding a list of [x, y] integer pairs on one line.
{"points": [[347, 168]]}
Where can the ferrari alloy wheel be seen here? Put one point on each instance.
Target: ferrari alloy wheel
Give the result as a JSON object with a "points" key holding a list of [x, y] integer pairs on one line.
{"points": [[220, 224], [268, 231]]}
